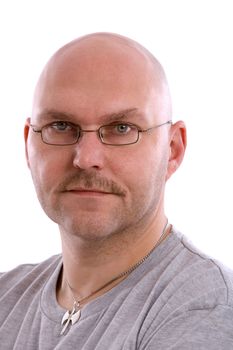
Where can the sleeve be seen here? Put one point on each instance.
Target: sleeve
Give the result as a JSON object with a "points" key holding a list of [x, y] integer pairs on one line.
{"points": [[194, 330]]}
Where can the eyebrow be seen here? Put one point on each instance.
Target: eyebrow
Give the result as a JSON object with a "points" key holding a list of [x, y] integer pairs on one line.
{"points": [[53, 114]]}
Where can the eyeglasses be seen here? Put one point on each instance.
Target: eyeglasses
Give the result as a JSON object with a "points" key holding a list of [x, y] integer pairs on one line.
{"points": [[61, 133]]}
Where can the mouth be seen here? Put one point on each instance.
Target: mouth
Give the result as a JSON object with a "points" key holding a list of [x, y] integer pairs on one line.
{"points": [[91, 185], [88, 191]]}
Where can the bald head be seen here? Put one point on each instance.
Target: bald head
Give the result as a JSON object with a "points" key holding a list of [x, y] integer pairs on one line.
{"points": [[111, 88], [101, 63], [112, 44]]}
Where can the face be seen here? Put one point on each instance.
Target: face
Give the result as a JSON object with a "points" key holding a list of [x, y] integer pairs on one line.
{"points": [[90, 189]]}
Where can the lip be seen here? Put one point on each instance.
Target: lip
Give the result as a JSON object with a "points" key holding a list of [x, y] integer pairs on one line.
{"points": [[88, 192]]}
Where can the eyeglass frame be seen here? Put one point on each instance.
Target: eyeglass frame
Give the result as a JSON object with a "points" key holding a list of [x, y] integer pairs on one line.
{"points": [[98, 131]]}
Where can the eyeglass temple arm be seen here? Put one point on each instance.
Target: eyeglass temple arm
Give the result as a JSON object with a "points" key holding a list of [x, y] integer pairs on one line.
{"points": [[156, 126]]}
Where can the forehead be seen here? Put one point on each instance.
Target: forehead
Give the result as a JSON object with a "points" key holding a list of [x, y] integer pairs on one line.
{"points": [[98, 77]]}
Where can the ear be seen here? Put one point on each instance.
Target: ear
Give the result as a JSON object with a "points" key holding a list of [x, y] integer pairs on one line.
{"points": [[178, 144], [26, 133]]}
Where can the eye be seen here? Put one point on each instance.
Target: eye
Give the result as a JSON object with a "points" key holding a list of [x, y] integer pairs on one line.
{"points": [[61, 126], [122, 128]]}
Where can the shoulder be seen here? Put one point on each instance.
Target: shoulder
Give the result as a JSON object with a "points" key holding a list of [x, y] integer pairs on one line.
{"points": [[23, 276], [183, 280], [192, 305], [205, 273]]}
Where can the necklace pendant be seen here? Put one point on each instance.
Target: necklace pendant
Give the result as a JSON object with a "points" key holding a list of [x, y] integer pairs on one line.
{"points": [[70, 317]]}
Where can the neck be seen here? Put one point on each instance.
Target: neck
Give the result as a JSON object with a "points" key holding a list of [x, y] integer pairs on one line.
{"points": [[96, 262]]}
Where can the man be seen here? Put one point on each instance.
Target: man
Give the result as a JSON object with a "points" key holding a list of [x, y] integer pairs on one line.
{"points": [[100, 146]]}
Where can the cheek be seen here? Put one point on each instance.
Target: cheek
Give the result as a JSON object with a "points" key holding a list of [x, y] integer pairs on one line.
{"points": [[135, 169], [45, 166], [151, 168]]}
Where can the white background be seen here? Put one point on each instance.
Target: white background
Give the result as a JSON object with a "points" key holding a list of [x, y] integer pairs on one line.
{"points": [[193, 40]]}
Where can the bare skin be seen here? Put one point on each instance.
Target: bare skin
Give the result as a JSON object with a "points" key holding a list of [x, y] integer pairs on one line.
{"points": [[108, 201]]}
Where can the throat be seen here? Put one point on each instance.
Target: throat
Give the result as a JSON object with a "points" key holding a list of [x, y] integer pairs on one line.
{"points": [[69, 297]]}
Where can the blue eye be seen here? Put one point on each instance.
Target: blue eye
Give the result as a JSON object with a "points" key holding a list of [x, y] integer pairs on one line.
{"points": [[122, 128], [61, 126]]}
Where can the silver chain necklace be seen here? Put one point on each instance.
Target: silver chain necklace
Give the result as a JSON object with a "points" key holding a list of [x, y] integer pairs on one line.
{"points": [[72, 316]]}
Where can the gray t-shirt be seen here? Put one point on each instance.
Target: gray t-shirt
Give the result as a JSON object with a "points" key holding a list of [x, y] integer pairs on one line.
{"points": [[177, 299]]}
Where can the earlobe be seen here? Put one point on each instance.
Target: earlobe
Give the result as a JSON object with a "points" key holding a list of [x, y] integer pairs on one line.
{"points": [[178, 144], [26, 133]]}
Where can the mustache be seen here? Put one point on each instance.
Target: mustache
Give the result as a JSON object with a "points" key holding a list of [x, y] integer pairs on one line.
{"points": [[88, 180]]}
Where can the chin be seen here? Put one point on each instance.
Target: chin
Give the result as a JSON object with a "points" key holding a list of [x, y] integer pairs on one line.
{"points": [[88, 230]]}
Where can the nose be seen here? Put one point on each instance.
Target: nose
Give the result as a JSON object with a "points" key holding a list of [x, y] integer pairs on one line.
{"points": [[89, 152]]}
